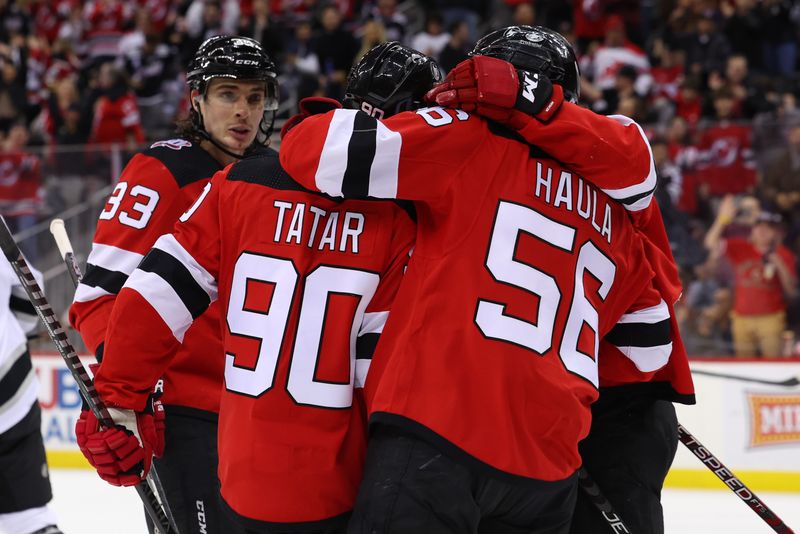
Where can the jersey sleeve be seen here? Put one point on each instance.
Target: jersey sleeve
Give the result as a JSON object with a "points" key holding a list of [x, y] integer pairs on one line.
{"points": [[411, 156], [643, 334], [612, 152], [140, 209], [174, 284], [20, 304], [377, 311]]}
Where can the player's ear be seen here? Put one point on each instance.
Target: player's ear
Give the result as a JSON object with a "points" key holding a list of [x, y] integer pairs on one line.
{"points": [[194, 98]]}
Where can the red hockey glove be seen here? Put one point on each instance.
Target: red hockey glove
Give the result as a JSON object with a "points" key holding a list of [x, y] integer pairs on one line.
{"points": [[122, 454], [496, 90], [311, 105]]}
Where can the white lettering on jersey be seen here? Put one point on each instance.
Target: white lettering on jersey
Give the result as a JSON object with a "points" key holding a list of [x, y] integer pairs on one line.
{"points": [[573, 195], [301, 224], [530, 83]]}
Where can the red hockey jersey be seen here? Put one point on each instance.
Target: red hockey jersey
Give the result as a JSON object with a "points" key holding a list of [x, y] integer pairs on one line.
{"points": [[603, 151], [154, 189], [519, 269], [304, 284]]}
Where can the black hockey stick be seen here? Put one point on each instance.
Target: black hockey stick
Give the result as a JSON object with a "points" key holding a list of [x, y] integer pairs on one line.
{"points": [[59, 337], [65, 249], [600, 502], [789, 382], [732, 481]]}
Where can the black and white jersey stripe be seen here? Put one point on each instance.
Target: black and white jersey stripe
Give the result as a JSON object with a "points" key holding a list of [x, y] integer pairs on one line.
{"points": [[644, 337], [107, 269], [638, 196], [360, 157], [174, 284], [18, 387], [368, 335]]}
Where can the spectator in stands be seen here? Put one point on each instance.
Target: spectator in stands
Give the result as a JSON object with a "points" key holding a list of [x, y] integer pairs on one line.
{"points": [[779, 36], [105, 24], [749, 100], [616, 52], [780, 182], [741, 24], [707, 49], [765, 280], [373, 33], [706, 325], [726, 162], [149, 68], [386, 13], [467, 11], [336, 49], [302, 63], [21, 192], [432, 40], [264, 28], [455, 51], [13, 100], [116, 114], [525, 14], [13, 21]]}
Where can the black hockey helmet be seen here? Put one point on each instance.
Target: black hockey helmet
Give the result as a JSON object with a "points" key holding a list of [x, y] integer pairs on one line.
{"points": [[238, 58], [535, 49], [390, 78]]}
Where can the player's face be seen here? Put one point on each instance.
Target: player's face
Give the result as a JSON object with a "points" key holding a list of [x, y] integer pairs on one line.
{"points": [[232, 111]]}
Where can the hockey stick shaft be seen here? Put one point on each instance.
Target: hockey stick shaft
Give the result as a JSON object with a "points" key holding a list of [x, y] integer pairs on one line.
{"points": [[732, 481], [789, 382], [76, 368], [64, 245], [603, 505], [65, 249]]}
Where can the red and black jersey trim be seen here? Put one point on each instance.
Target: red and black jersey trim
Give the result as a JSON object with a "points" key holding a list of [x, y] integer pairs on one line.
{"points": [[187, 165], [105, 279], [360, 156], [175, 273], [21, 305], [365, 346], [641, 334]]}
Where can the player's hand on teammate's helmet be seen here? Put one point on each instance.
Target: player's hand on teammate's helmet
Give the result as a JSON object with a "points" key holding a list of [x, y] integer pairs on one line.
{"points": [[496, 90], [122, 454], [311, 105]]}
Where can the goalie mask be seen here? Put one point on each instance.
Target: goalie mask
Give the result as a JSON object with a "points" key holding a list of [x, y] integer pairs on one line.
{"points": [[389, 79], [535, 49], [237, 58]]}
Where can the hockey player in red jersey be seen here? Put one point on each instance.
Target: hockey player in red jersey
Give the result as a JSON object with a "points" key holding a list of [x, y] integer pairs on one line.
{"points": [[233, 92], [438, 341], [633, 438], [304, 283]]}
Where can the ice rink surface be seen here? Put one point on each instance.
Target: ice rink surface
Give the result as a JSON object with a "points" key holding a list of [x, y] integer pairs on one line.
{"points": [[87, 505]]}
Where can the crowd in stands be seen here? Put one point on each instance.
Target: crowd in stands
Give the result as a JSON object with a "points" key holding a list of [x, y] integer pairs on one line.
{"points": [[714, 83]]}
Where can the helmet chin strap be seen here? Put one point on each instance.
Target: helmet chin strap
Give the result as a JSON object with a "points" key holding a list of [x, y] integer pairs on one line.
{"points": [[207, 136]]}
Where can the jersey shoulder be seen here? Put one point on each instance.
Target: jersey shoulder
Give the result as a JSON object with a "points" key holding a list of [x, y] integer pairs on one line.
{"points": [[264, 168], [186, 161]]}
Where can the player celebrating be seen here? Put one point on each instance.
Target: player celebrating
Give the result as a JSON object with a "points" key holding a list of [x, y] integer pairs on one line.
{"points": [[633, 437], [514, 280], [233, 96], [304, 283]]}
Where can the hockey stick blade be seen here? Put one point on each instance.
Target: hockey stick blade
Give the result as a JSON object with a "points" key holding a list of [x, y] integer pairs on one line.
{"points": [[74, 364], [789, 382], [64, 245], [732, 481]]}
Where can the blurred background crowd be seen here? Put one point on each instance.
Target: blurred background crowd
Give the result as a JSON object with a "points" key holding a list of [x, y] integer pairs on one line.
{"points": [[714, 83]]}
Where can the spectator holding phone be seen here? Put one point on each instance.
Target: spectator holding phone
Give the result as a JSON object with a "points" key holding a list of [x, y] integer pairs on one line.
{"points": [[764, 281]]}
